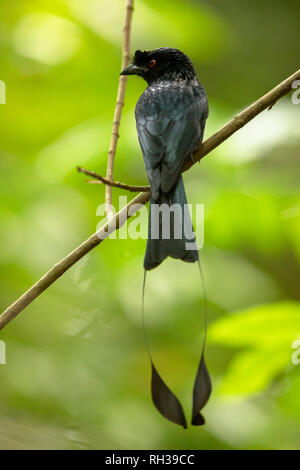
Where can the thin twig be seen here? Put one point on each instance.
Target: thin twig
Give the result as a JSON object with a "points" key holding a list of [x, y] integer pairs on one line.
{"points": [[118, 110], [116, 184], [142, 198]]}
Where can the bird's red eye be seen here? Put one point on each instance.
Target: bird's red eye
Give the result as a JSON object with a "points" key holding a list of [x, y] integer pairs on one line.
{"points": [[152, 63]]}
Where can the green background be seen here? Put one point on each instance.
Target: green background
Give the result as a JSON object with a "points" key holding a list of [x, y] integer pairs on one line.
{"points": [[77, 374]]}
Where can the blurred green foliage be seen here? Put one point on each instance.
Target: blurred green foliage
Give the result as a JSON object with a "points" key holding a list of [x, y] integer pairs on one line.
{"points": [[77, 374]]}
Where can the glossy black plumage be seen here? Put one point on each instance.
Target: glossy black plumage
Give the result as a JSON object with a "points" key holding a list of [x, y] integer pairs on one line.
{"points": [[170, 119]]}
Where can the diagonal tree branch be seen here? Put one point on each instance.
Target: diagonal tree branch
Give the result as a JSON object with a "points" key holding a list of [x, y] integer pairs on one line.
{"points": [[118, 219], [239, 120], [118, 110]]}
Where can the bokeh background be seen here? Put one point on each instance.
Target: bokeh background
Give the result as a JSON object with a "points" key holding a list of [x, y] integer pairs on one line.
{"points": [[77, 374]]}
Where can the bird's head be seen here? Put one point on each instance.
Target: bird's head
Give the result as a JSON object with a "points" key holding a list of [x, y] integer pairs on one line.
{"points": [[159, 64]]}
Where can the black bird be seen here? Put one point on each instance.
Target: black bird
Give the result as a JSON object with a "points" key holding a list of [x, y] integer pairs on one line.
{"points": [[170, 119]]}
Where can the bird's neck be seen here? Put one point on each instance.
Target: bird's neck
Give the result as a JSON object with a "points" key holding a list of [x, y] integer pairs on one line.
{"points": [[173, 76]]}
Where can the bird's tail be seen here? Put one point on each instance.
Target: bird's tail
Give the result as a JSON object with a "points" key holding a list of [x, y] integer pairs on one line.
{"points": [[170, 231]]}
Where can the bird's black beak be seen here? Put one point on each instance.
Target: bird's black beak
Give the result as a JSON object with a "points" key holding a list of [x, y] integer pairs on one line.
{"points": [[133, 70]]}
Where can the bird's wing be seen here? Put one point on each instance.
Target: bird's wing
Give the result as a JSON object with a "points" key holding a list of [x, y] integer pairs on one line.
{"points": [[170, 124]]}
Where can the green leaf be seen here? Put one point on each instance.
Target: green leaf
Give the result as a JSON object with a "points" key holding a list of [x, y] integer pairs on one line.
{"points": [[263, 326], [267, 332]]}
